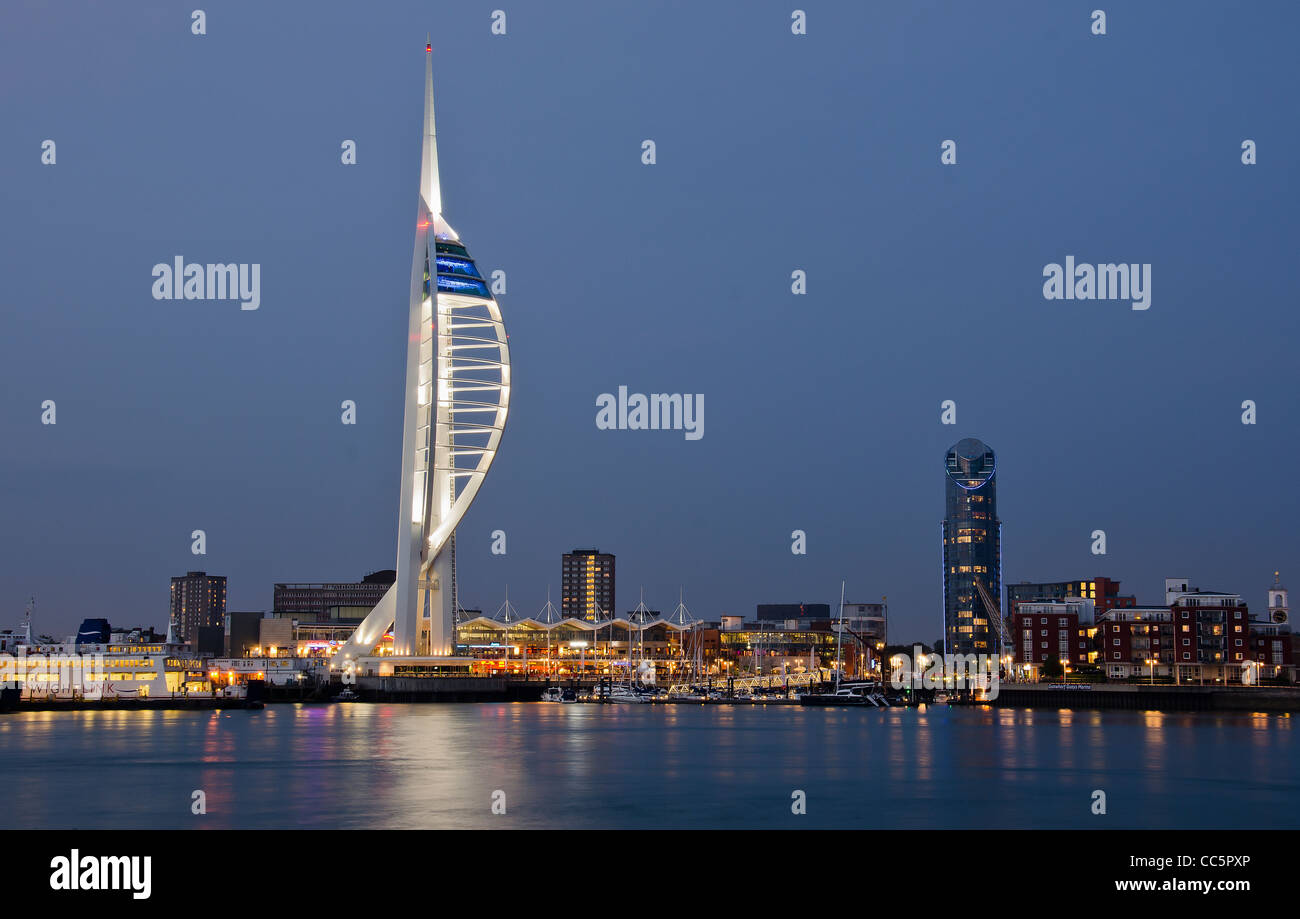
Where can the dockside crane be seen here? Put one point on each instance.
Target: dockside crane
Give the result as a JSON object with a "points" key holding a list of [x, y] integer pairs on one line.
{"points": [[994, 614]]}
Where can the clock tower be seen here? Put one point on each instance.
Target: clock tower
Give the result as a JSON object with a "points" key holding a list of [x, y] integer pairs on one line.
{"points": [[1277, 607]]}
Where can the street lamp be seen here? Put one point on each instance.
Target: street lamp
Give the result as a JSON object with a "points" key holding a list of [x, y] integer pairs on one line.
{"points": [[916, 672]]}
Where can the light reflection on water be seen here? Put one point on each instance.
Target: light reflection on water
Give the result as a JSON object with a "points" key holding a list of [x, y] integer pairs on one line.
{"points": [[636, 766]]}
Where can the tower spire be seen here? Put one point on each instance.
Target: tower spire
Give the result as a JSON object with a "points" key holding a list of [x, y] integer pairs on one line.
{"points": [[430, 189]]}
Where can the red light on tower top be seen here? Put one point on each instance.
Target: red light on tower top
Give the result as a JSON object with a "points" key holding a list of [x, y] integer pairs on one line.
{"points": [[428, 47]]}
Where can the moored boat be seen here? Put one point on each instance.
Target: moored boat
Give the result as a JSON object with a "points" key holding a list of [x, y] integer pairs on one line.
{"points": [[848, 696]]}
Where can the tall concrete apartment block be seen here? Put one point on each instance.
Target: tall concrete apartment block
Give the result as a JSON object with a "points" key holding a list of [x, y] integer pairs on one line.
{"points": [[587, 582], [198, 600]]}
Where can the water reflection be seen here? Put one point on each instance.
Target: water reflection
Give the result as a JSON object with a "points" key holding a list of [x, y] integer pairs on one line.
{"points": [[407, 766]]}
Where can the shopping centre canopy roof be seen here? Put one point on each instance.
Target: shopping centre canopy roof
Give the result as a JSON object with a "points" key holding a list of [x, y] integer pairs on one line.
{"points": [[533, 622]]}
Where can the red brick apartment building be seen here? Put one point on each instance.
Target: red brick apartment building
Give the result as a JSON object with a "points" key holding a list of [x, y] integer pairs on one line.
{"points": [[1200, 636], [1046, 630]]}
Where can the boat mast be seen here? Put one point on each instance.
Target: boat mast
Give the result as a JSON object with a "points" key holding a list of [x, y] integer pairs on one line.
{"points": [[839, 639], [640, 623]]}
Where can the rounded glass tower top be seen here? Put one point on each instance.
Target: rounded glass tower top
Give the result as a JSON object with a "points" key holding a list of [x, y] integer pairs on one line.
{"points": [[970, 463]]}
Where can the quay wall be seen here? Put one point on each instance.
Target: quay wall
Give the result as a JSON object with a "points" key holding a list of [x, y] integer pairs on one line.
{"points": [[442, 689], [1143, 698]]}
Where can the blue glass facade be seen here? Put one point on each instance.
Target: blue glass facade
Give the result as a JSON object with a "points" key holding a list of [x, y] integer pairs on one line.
{"points": [[972, 548], [448, 264], [457, 273]]}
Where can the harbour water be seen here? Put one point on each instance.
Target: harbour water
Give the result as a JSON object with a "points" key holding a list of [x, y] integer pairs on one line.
{"points": [[646, 766]]}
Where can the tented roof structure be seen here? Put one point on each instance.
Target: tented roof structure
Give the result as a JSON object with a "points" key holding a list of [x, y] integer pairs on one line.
{"points": [[506, 614], [549, 615], [681, 617], [549, 618], [494, 622]]}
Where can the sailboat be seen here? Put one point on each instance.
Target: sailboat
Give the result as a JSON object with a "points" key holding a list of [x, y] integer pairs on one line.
{"points": [[632, 690], [854, 694]]}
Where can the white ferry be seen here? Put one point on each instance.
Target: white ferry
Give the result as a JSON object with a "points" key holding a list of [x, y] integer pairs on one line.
{"points": [[100, 663]]}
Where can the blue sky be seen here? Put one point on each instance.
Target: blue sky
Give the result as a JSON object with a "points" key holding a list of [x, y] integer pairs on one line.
{"points": [[775, 152]]}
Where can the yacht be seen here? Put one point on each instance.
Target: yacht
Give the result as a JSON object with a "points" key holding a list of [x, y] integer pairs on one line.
{"points": [[847, 696], [621, 693], [841, 695]]}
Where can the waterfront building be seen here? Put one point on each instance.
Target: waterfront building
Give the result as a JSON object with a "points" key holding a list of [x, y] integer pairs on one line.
{"points": [[1103, 592], [313, 601], [1052, 630], [768, 612], [870, 621], [1136, 641], [1275, 653], [456, 402], [789, 634], [309, 634], [587, 584], [274, 670], [275, 635], [791, 647], [310, 637], [1200, 636], [1210, 627], [972, 554], [569, 646], [241, 633], [197, 600], [319, 638], [210, 641]]}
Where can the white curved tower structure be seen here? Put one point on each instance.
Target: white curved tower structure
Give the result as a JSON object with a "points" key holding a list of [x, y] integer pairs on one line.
{"points": [[457, 398]]}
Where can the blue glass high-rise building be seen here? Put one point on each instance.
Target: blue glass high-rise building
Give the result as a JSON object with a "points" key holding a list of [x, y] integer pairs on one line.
{"points": [[972, 549]]}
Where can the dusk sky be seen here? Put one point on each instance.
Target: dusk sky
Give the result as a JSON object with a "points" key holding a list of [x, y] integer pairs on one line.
{"points": [[775, 152]]}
